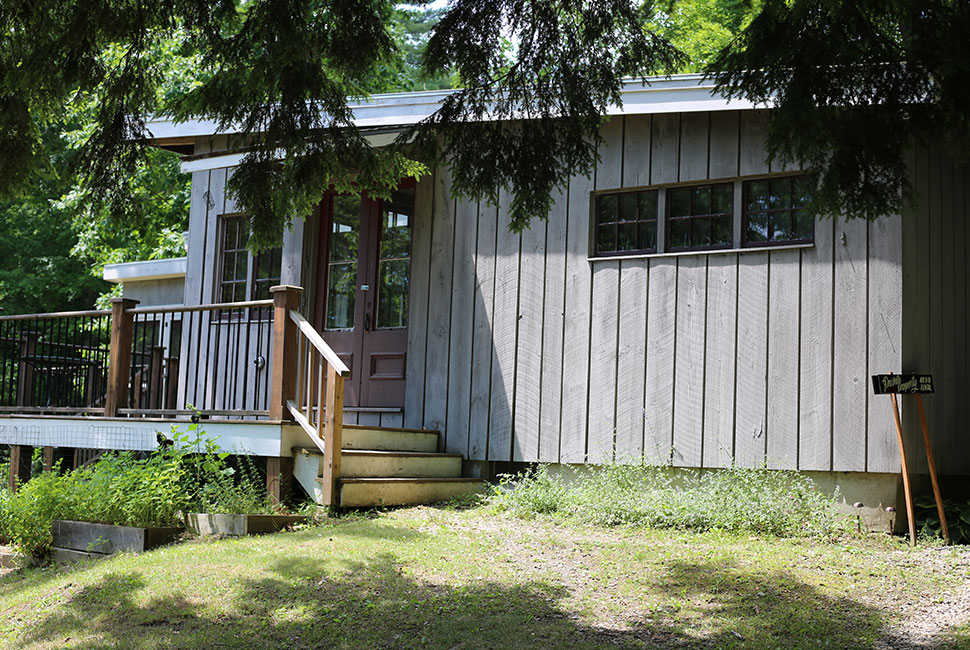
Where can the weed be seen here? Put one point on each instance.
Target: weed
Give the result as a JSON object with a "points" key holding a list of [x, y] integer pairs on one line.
{"points": [[783, 503]]}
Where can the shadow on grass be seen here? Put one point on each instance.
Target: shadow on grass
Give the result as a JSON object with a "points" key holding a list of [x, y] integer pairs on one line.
{"points": [[379, 603]]}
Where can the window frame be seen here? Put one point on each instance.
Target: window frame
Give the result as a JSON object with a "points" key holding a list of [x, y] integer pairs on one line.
{"points": [[745, 183], [252, 262], [663, 248]]}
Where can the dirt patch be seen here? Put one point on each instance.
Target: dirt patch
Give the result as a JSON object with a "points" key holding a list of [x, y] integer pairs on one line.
{"points": [[926, 622]]}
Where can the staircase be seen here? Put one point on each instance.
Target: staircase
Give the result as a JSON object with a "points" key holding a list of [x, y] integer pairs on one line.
{"points": [[387, 467]]}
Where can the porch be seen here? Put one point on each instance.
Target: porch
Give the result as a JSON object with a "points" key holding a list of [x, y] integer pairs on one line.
{"points": [[255, 374]]}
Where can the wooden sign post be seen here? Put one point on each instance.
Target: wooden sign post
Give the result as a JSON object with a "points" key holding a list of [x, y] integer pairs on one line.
{"points": [[912, 385]]}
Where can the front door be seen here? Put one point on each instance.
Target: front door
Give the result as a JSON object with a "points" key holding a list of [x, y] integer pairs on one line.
{"points": [[362, 296]]}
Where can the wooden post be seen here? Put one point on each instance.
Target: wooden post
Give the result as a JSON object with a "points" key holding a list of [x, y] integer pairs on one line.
{"points": [[155, 378], [279, 478], [334, 431], [48, 459], [92, 385], [19, 467], [932, 467], [910, 515], [119, 358], [283, 372], [25, 374], [172, 390]]}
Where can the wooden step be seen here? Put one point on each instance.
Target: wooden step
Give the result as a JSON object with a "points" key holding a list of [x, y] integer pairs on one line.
{"points": [[369, 463], [389, 439], [382, 491]]}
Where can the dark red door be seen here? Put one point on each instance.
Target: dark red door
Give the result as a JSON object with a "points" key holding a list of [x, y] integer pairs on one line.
{"points": [[362, 299]]}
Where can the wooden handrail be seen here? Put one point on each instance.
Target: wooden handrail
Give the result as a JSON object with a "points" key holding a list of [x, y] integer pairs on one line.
{"points": [[58, 314], [314, 338], [211, 307]]}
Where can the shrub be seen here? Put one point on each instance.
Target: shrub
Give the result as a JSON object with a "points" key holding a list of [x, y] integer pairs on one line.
{"points": [[231, 491], [27, 513], [776, 502], [190, 474]]}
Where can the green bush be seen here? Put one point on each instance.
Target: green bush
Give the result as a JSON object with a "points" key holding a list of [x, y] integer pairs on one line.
{"points": [[230, 491], [777, 502], [192, 474], [957, 519], [26, 515]]}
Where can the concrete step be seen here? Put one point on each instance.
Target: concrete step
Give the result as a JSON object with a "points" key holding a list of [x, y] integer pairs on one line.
{"points": [[373, 492], [368, 463], [387, 439]]}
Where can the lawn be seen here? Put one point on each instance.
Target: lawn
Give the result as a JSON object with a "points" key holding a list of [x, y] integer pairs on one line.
{"points": [[451, 579]]}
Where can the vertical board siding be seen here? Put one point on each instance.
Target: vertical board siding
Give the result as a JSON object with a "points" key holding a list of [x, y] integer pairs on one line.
{"points": [[461, 327], [439, 306], [720, 360], [689, 360], [934, 333], [575, 354], [743, 357], [723, 148], [603, 331], [504, 334], [630, 360], [751, 393], [850, 386], [665, 149], [484, 307], [815, 351], [528, 374], [885, 336], [414, 394], [659, 374], [553, 322], [783, 323]]}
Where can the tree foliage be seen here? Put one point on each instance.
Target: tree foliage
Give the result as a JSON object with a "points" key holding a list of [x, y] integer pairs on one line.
{"points": [[280, 72], [854, 86]]}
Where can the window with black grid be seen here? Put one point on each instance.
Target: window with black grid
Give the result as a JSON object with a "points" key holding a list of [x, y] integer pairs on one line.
{"points": [[626, 223], [774, 211], [245, 276], [700, 217]]}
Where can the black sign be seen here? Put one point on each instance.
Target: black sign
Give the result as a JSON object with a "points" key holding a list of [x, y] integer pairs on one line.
{"points": [[885, 384]]}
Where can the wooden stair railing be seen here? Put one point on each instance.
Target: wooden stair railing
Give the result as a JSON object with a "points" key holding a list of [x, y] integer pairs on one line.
{"points": [[308, 383]]}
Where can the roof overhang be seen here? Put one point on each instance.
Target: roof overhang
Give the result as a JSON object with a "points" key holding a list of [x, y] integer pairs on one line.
{"points": [[388, 114], [173, 267]]}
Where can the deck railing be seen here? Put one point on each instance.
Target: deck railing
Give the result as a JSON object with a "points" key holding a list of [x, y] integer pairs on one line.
{"points": [[308, 383], [54, 363], [206, 359], [256, 359]]}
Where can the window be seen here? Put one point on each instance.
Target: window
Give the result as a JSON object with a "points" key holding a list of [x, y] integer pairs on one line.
{"points": [[773, 211], [700, 216], [245, 276], [684, 218], [394, 265], [626, 223]]}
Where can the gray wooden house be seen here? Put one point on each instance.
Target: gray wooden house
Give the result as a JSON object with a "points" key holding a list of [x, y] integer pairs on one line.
{"points": [[676, 307]]}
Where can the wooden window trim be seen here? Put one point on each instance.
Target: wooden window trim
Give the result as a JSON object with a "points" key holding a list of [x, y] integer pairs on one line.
{"points": [[738, 243], [252, 266]]}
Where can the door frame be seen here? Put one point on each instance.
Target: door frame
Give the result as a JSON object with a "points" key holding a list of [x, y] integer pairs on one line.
{"points": [[322, 251]]}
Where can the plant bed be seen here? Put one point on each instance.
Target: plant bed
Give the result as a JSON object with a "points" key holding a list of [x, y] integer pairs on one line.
{"points": [[105, 539], [234, 525]]}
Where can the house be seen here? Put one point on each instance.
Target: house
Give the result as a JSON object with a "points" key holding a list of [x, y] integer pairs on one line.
{"points": [[676, 307]]}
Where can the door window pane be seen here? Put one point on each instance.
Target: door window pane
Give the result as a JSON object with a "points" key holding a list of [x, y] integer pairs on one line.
{"points": [[394, 266], [341, 294], [342, 273]]}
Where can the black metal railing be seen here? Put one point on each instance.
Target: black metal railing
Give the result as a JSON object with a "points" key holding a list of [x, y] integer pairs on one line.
{"points": [[210, 359], [54, 363]]}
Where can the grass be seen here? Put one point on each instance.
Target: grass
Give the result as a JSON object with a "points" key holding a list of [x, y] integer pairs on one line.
{"points": [[475, 578], [736, 499]]}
